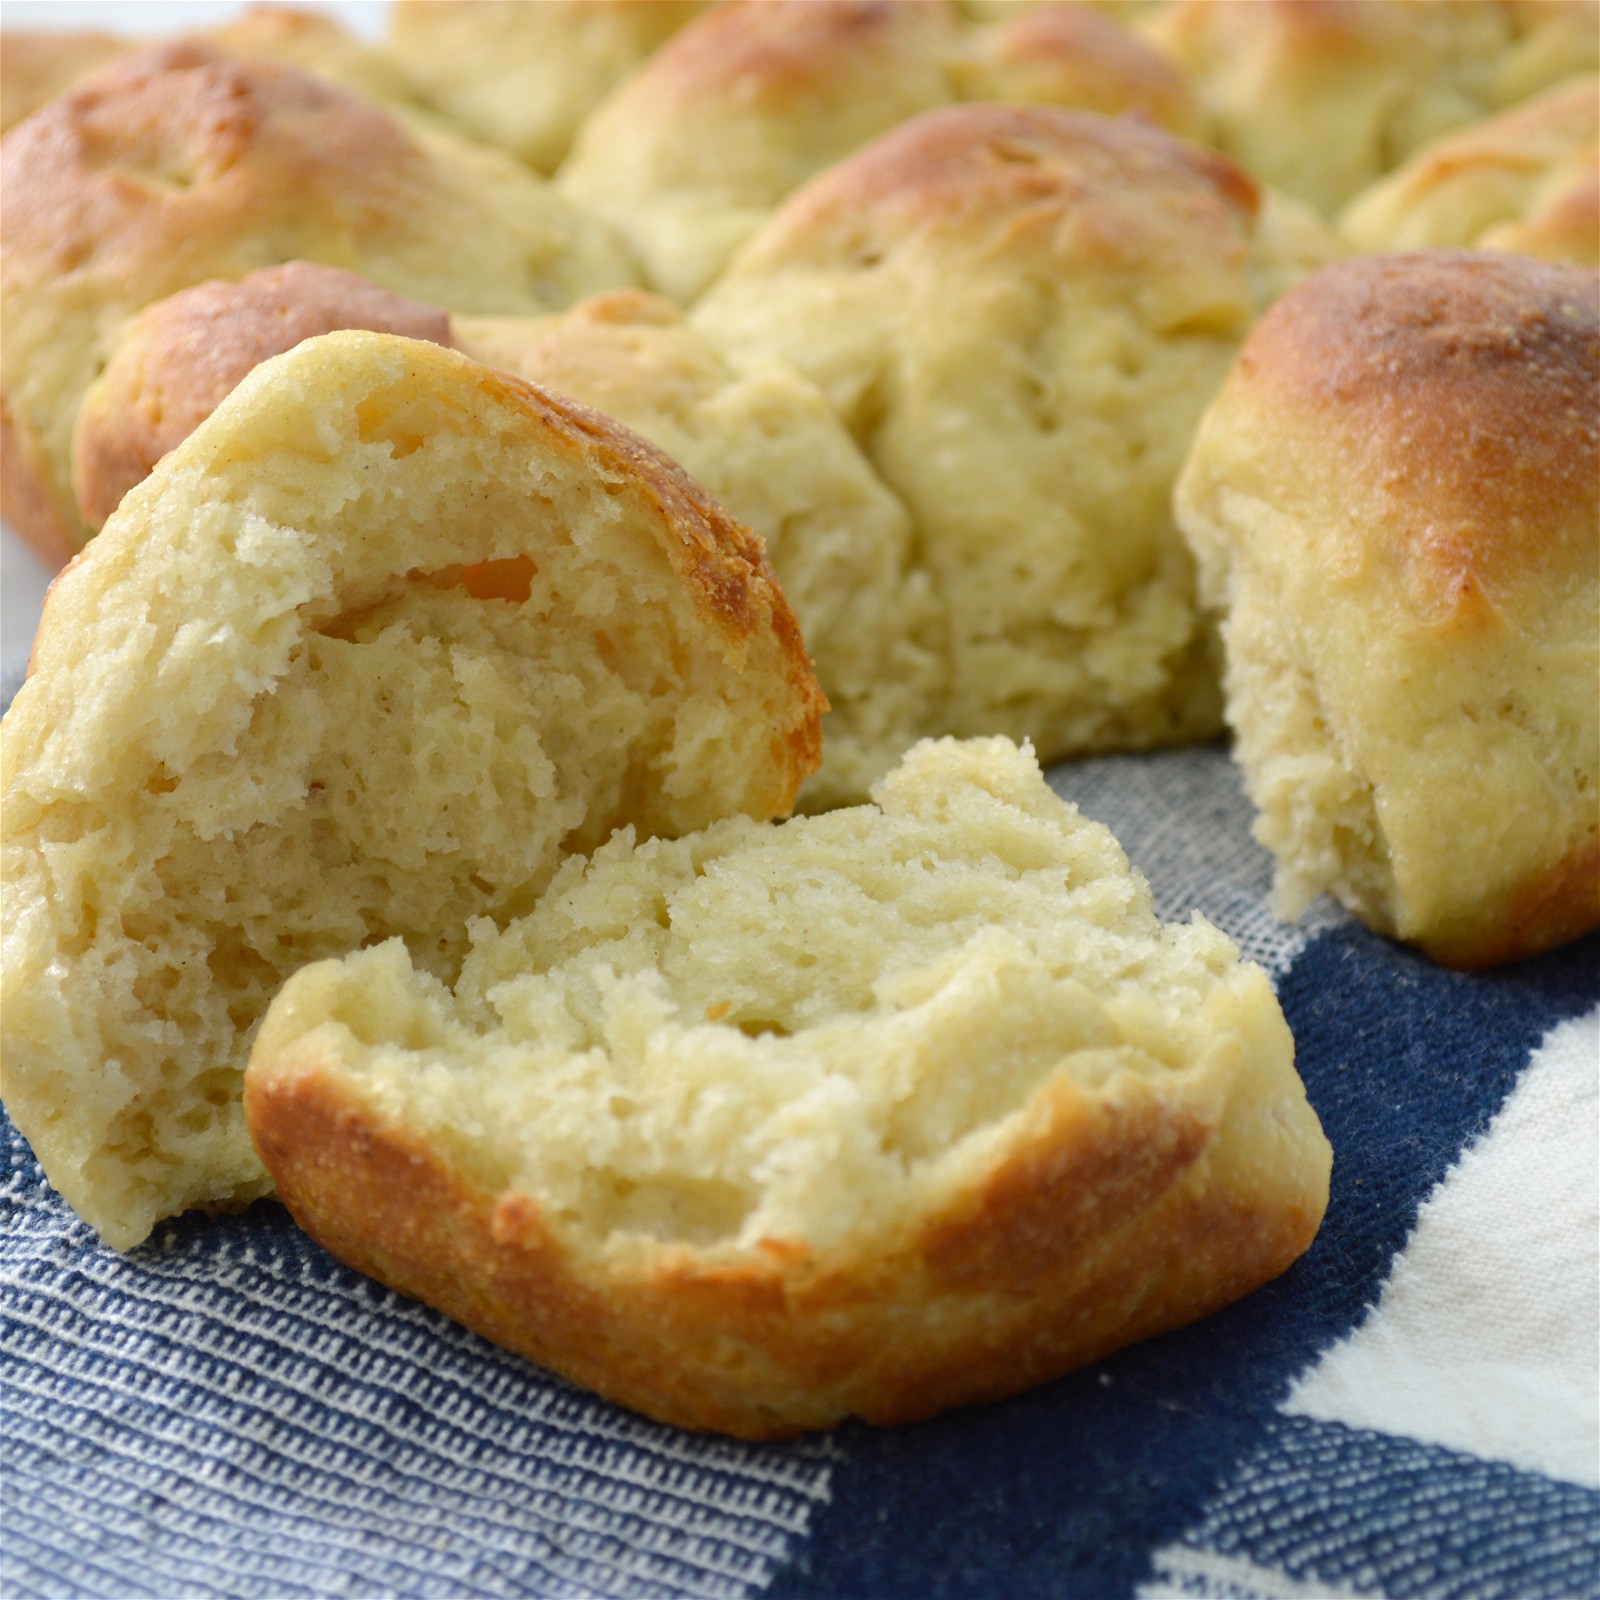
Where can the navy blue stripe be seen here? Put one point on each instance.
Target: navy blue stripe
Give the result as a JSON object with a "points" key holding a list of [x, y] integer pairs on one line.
{"points": [[1070, 1490], [1352, 1509], [228, 1410]]}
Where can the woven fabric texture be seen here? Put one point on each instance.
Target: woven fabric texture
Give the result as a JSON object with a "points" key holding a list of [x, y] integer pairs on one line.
{"points": [[226, 1411]]}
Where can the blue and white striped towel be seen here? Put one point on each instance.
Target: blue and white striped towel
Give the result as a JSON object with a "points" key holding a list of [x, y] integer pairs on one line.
{"points": [[1411, 1411]]}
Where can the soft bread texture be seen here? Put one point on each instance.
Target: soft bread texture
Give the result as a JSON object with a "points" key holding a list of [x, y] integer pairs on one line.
{"points": [[180, 164], [764, 442], [1527, 180], [1320, 98], [523, 74], [693, 151], [1020, 312], [870, 1114], [1395, 502], [755, 434], [383, 640]]}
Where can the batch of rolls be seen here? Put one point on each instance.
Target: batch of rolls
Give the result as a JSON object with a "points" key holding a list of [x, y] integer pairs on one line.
{"points": [[500, 472]]}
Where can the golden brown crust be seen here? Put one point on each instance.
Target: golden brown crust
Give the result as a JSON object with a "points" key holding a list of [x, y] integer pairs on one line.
{"points": [[135, 160], [523, 74], [314, 42], [163, 158], [1290, 34], [1566, 228], [1465, 386], [1002, 172], [1557, 903], [777, 56], [180, 164], [1397, 493], [38, 65], [756, 96], [1102, 1224], [1320, 98], [184, 355]]}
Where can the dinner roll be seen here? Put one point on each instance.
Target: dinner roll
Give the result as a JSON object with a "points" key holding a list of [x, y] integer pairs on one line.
{"points": [[522, 74], [382, 640], [694, 150], [180, 164], [755, 434], [1526, 180], [1320, 98], [1395, 502], [871, 1114], [1020, 312]]}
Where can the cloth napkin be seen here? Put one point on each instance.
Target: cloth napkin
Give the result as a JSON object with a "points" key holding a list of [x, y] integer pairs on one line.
{"points": [[1411, 1410]]}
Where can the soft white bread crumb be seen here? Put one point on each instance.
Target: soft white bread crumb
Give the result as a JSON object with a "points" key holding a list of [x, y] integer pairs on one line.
{"points": [[364, 657], [871, 1113]]}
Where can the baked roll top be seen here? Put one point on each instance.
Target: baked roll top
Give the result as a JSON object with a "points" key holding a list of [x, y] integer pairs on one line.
{"points": [[1395, 502]]}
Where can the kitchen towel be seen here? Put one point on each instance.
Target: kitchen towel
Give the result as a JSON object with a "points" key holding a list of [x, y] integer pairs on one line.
{"points": [[1410, 1411]]}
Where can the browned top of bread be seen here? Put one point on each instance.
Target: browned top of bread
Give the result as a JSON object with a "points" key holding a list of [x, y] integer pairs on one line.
{"points": [[1396, 497], [1462, 388], [152, 135], [523, 74], [38, 65], [185, 354], [983, 178], [314, 42], [777, 53], [693, 150], [1567, 229], [179, 164], [1072, 55]]}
